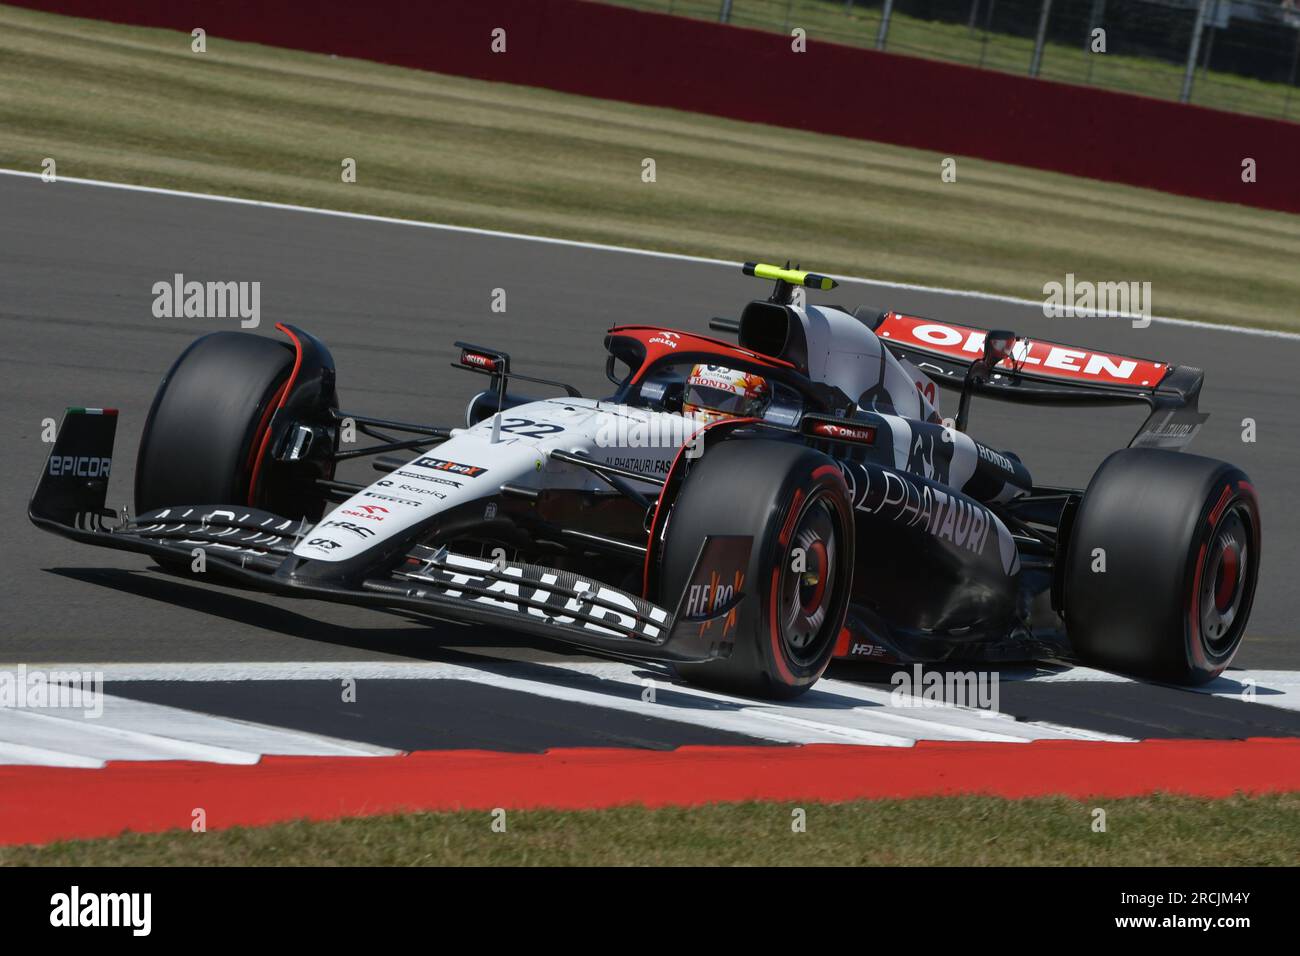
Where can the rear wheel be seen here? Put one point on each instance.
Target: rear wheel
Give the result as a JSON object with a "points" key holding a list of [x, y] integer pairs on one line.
{"points": [[1162, 564], [794, 503], [203, 442]]}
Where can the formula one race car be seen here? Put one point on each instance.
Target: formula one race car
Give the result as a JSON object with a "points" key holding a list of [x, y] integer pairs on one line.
{"points": [[746, 511]]}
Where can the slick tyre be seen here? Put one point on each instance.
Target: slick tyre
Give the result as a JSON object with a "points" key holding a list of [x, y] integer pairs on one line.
{"points": [[1161, 566], [203, 436], [794, 503]]}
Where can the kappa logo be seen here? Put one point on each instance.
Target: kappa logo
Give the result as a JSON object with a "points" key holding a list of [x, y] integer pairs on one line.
{"points": [[79, 466]]}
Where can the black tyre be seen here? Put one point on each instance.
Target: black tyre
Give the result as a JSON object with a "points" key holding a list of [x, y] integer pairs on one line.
{"points": [[204, 434], [1179, 536], [794, 502]]}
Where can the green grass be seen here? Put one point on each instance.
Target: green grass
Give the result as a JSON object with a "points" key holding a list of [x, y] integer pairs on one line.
{"points": [[952, 831], [134, 105], [956, 43]]}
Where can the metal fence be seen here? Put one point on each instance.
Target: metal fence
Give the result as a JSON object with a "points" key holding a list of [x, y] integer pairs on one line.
{"points": [[1237, 55]]}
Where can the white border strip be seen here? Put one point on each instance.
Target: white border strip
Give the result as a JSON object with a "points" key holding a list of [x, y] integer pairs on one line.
{"points": [[627, 250]]}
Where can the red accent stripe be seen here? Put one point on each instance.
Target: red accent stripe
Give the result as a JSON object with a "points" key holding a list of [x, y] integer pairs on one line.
{"points": [[1194, 613], [659, 502], [284, 396], [264, 430], [778, 655], [788, 528], [1218, 509], [39, 804]]}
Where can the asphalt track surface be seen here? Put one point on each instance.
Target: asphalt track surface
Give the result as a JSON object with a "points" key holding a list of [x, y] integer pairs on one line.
{"points": [[77, 267]]}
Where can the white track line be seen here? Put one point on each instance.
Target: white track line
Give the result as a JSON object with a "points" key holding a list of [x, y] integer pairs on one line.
{"points": [[833, 712], [604, 247], [137, 730], [226, 732], [26, 755], [875, 709], [66, 732]]}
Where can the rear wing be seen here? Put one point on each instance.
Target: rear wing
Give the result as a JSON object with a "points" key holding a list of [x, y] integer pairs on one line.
{"points": [[1050, 373]]}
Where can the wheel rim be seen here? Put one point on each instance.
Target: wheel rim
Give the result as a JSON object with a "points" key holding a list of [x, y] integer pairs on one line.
{"points": [[1225, 574], [808, 582]]}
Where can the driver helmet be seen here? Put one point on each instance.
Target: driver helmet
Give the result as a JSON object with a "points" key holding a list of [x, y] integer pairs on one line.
{"points": [[714, 392]]}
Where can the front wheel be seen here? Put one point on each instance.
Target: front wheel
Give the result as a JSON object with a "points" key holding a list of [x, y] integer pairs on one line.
{"points": [[1161, 566], [793, 501], [205, 439]]}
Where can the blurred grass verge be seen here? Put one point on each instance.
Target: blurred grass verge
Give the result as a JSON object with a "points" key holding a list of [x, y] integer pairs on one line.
{"points": [[137, 106], [1160, 830]]}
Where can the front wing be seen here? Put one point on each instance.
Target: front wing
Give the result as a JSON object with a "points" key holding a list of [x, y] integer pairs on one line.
{"points": [[248, 547]]}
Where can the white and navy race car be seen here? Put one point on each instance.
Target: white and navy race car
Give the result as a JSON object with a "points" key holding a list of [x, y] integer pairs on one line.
{"points": [[745, 511]]}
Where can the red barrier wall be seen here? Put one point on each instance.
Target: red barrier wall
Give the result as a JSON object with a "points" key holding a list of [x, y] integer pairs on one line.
{"points": [[611, 52]]}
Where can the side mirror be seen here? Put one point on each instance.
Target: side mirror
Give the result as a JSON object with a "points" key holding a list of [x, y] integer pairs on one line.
{"points": [[998, 345]]}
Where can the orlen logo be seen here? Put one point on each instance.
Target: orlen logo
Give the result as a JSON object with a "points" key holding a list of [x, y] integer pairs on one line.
{"points": [[665, 338], [439, 464], [1045, 358], [369, 512], [79, 466], [858, 433], [478, 360]]}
